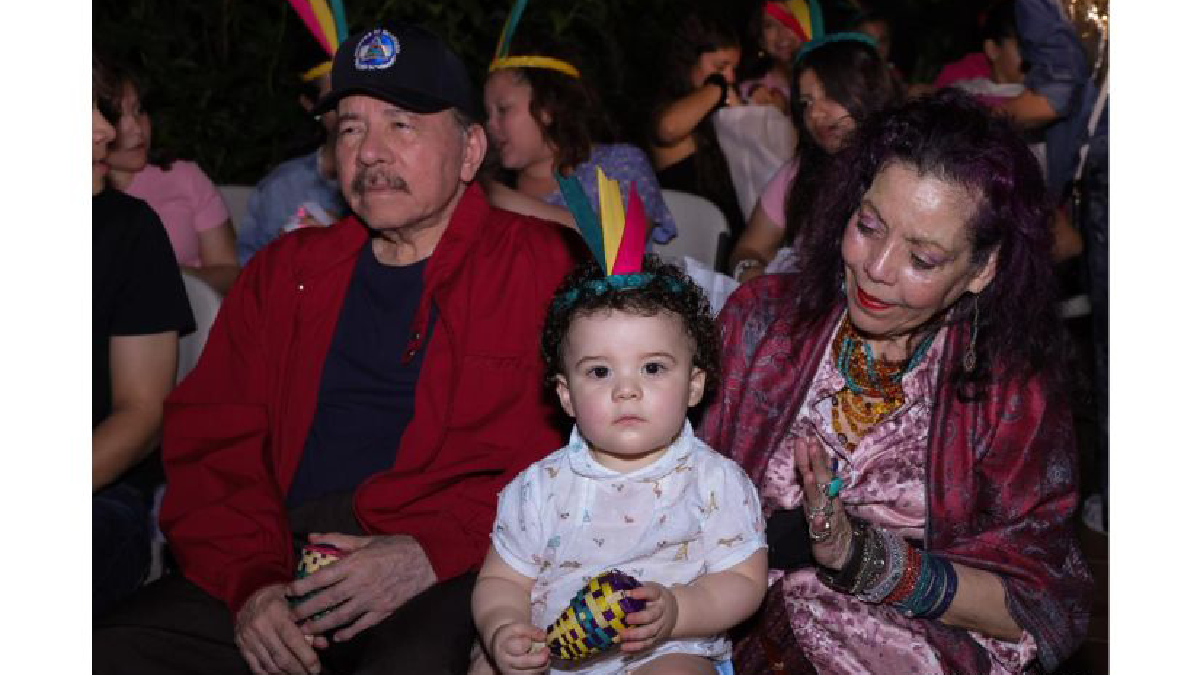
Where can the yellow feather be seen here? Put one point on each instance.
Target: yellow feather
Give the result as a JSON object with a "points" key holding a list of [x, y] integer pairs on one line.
{"points": [[612, 217], [325, 18]]}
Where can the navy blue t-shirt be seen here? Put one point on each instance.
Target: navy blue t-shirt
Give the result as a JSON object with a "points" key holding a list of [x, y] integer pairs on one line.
{"points": [[367, 393]]}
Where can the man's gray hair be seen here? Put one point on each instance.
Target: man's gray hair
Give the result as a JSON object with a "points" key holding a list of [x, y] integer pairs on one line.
{"points": [[464, 120]]}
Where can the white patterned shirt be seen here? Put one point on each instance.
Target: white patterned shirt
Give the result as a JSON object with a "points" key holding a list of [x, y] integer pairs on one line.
{"points": [[566, 519]]}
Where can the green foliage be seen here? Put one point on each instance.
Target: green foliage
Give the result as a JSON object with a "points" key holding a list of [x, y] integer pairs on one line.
{"points": [[226, 71]]}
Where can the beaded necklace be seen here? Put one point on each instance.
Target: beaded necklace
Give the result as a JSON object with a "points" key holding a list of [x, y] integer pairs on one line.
{"points": [[873, 388]]}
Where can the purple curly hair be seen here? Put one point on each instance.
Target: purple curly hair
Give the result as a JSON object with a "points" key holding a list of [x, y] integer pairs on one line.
{"points": [[950, 136]]}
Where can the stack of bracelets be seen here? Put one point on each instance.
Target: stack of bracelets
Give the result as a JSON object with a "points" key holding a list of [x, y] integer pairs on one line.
{"points": [[883, 568]]}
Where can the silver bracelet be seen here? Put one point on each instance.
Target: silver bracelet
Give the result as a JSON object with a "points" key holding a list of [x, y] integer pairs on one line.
{"points": [[743, 265]]}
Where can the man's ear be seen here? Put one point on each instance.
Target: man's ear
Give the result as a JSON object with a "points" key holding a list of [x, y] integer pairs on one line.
{"points": [[474, 148], [564, 394], [696, 385]]}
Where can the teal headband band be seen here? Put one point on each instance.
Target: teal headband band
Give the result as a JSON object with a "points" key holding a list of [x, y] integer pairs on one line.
{"points": [[845, 36], [614, 282]]}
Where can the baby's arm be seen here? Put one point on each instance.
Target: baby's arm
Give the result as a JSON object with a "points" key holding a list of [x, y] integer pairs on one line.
{"points": [[500, 606], [710, 605]]}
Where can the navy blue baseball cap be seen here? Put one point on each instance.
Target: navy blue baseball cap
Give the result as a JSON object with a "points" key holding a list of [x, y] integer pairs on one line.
{"points": [[405, 65]]}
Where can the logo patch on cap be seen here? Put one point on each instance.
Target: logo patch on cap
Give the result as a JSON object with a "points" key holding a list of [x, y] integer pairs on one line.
{"points": [[376, 50]]}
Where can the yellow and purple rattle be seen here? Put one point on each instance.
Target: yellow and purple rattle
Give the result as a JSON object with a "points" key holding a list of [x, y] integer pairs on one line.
{"points": [[312, 558], [592, 622]]}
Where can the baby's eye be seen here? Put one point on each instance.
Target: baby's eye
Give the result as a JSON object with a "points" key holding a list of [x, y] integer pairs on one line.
{"points": [[598, 372], [655, 368]]}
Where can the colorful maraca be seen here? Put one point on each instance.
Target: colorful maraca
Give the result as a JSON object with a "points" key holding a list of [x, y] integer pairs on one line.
{"points": [[595, 617], [312, 558]]}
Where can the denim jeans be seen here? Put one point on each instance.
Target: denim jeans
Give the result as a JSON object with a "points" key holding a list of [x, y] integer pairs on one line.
{"points": [[120, 544]]}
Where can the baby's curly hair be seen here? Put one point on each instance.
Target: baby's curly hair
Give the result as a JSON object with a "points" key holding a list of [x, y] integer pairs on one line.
{"points": [[669, 290]]}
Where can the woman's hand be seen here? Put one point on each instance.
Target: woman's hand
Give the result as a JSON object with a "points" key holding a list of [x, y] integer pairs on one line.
{"points": [[520, 648], [828, 524], [654, 624]]}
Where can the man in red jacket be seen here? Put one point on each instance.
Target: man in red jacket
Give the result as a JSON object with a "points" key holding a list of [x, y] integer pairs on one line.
{"points": [[371, 386]]}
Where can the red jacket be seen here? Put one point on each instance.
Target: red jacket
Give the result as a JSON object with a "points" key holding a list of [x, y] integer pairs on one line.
{"points": [[234, 429], [1001, 481]]}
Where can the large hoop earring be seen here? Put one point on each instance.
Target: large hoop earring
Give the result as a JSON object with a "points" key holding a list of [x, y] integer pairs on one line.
{"points": [[969, 357]]}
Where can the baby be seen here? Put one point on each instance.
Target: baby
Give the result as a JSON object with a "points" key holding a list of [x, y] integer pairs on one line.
{"points": [[634, 489]]}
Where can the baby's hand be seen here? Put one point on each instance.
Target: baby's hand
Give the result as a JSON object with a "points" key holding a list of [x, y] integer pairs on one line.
{"points": [[520, 648], [654, 624]]}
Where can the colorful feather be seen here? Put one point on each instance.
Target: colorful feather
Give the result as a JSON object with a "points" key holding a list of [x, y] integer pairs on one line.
{"points": [[510, 27], [305, 10], [612, 216], [339, 20], [325, 19], [585, 218], [633, 243]]}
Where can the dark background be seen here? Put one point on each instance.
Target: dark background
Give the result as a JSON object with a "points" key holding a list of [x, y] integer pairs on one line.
{"points": [[226, 72]]}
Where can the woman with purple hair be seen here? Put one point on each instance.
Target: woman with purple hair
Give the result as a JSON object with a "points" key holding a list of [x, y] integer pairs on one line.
{"points": [[900, 403]]}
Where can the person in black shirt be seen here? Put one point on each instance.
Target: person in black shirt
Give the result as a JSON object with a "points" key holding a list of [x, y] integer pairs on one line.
{"points": [[139, 309]]}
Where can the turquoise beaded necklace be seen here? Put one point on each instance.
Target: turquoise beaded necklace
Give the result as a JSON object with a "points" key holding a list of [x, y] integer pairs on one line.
{"points": [[848, 345]]}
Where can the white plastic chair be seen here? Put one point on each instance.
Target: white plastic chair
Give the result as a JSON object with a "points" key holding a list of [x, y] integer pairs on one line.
{"points": [[235, 197], [700, 226], [205, 302]]}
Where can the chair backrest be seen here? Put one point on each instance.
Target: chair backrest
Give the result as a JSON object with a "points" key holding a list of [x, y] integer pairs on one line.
{"points": [[205, 302], [235, 197], [700, 225]]}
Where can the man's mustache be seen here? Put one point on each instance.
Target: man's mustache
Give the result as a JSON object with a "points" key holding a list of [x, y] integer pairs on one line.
{"points": [[377, 179]]}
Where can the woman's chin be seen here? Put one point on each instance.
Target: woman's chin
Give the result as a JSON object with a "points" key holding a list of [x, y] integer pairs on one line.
{"points": [[126, 164]]}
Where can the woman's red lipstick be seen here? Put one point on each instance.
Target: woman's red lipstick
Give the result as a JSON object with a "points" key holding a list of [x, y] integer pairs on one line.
{"points": [[871, 302]]}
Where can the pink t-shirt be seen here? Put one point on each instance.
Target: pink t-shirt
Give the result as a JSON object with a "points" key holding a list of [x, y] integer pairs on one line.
{"points": [[774, 195], [185, 200], [969, 67]]}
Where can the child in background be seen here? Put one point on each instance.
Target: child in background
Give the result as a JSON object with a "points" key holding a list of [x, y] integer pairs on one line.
{"points": [[781, 27], [696, 80], [183, 196], [628, 354], [545, 120], [996, 74]]}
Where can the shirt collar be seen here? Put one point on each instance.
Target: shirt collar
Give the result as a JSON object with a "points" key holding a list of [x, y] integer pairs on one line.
{"points": [[677, 455]]}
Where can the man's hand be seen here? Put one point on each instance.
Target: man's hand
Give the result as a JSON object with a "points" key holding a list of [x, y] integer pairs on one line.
{"points": [[654, 624], [378, 575], [268, 638]]}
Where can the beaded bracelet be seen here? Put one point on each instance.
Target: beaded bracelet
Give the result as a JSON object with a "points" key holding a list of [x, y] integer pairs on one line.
{"points": [[867, 565], [924, 605], [926, 579], [894, 553], [908, 578], [948, 593], [932, 598], [883, 568], [843, 580], [874, 561]]}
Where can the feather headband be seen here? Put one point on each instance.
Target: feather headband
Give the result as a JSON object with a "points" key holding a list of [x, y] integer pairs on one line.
{"points": [[502, 59], [802, 17], [327, 23], [616, 239]]}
